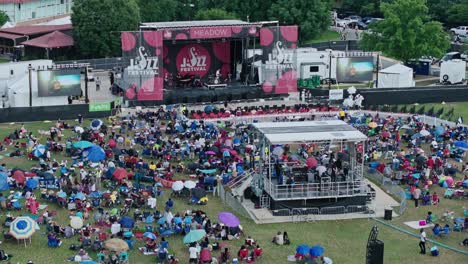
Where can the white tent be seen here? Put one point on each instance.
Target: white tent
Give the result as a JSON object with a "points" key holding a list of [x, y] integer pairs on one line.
{"points": [[396, 76]]}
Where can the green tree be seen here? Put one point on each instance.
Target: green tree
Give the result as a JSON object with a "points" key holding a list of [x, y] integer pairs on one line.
{"points": [[439, 9], [3, 18], [97, 25], [458, 15], [250, 10], [407, 32], [158, 10], [312, 16], [213, 14]]}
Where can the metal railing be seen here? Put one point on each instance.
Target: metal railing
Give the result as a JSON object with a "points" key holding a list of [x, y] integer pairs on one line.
{"points": [[390, 187], [100, 64], [314, 190]]}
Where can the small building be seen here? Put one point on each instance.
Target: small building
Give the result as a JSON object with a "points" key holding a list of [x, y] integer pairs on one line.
{"points": [[20, 11]]}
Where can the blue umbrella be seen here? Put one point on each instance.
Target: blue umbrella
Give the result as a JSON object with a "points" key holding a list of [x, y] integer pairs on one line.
{"points": [[128, 234], [303, 249], [127, 222], [208, 171], [149, 235], [208, 109], [95, 194], [32, 184], [416, 175], [22, 227], [96, 124], [62, 194], [461, 144], [465, 183], [161, 221], [82, 144], [417, 135], [39, 150], [439, 130], [95, 153], [4, 186], [236, 141], [167, 233], [316, 251], [194, 236], [80, 196]]}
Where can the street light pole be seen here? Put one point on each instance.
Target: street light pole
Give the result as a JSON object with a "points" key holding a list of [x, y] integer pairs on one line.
{"points": [[30, 84]]}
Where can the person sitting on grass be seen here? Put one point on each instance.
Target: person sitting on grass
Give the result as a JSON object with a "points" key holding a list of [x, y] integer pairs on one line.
{"points": [[243, 253], [286, 238], [249, 241], [258, 251], [225, 256], [278, 239], [436, 230], [429, 217], [150, 245], [435, 199], [446, 230]]}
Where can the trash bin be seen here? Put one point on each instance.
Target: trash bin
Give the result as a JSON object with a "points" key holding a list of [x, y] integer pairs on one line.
{"points": [[388, 214]]}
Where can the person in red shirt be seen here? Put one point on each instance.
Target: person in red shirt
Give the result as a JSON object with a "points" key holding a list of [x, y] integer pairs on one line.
{"points": [[435, 198], [258, 251], [430, 163], [243, 253]]}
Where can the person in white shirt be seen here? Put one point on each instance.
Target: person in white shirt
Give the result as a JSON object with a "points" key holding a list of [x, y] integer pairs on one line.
{"points": [[193, 254], [422, 242], [326, 260]]}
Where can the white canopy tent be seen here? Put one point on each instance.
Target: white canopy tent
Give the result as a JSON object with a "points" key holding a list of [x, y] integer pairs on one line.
{"points": [[396, 76]]}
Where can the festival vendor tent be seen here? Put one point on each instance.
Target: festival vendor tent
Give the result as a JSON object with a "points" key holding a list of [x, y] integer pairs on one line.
{"points": [[396, 76]]}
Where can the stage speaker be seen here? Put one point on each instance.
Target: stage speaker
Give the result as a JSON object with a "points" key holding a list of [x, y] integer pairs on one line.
{"points": [[375, 253], [388, 214]]}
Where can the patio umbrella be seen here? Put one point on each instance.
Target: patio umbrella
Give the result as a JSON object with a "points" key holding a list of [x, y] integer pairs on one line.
{"points": [[167, 233], [120, 173], [19, 176], [278, 151], [80, 196], [311, 162], [79, 130], [372, 125], [424, 133], [303, 249], [23, 227], [96, 124], [198, 193], [76, 222], [194, 236], [95, 153], [150, 235], [316, 251], [440, 130], [82, 144], [190, 184], [62, 194], [127, 222], [177, 186], [39, 150], [32, 183], [116, 244], [228, 219]]}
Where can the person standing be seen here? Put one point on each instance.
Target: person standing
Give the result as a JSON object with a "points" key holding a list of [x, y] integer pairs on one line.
{"points": [[416, 196], [98, 84], [422, 242], [80, 119]]}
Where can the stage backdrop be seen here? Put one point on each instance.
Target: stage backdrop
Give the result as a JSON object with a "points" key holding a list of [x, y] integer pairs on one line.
{"points": [[202, 59], [143, 75], [278, 71]]}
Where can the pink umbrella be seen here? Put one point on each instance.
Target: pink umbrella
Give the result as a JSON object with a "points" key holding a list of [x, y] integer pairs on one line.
{"points": [[311, 162], [449, 180], [112, 143], [210, 152], [410, 168], [385, 134], [233, 152]]}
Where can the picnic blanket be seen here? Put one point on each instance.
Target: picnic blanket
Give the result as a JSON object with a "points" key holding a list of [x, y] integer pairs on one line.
{"points": [[415, 225], [165, 183]]}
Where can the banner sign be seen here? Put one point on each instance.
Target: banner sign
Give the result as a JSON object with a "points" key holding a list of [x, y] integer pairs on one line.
{"points": [[99, 107], [335, 94], [143, 74], [210, 32], [278, 70], [201, 61]]}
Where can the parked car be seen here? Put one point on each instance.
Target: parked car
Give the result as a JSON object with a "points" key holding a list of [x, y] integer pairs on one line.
{"points": [[362, 26], [461, 38], [354, 18], [461, 30], [365, 19], [373, 20]]}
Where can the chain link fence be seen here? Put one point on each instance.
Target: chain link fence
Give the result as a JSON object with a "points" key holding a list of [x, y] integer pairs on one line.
{"points": [[229, 199], [390, 187]]}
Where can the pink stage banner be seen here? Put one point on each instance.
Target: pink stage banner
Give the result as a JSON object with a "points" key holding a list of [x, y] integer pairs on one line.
{"points": [[210, 32]]}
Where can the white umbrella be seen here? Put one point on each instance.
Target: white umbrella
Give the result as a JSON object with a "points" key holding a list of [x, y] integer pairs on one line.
{"points": [[190, 184], [352, 90], [76, 222], [424, 133], [177, 186], [79, 130]]}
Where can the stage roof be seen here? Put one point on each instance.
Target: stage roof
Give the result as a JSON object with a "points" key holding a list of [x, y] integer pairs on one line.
{"points": [[309, 131], [196, 23]]}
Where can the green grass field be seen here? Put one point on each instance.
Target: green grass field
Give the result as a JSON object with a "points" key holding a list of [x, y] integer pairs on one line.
{"points": [[344, 241], [328, 35]]}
